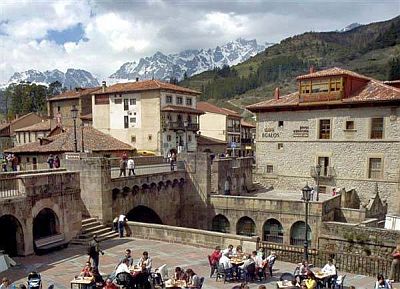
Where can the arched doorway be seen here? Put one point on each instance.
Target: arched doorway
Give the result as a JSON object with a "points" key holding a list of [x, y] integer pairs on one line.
{"points": [[220, 224], [45, 224], [143, 214], [246, 227], [12, 236], [273, 231], [297, 232]]}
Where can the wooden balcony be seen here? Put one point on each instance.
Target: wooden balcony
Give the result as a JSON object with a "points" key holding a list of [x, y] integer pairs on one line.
{"points": [[181, 126]]}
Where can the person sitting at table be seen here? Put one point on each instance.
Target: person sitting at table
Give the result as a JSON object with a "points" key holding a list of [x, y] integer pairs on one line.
{"points": [[257, 259], [123, 267], [127, 256], [194, 280], [381, 283], [87, 270], [271, 261], [301, 271], [310, 282], [141, 278], [330, 270], [228, 251], [238, 251], [145, 260], [109, 284], [225, 262], [179, 274]]}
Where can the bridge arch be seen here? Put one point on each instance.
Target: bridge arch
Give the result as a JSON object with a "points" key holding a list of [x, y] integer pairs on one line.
{"points": [[297, 232], [220, 223], [144, 214], [273, 231], [45, 224], [12, 239], [246, 227]]}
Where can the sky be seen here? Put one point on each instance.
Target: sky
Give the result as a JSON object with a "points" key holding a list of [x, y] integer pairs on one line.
{"points": [[101, 35]]}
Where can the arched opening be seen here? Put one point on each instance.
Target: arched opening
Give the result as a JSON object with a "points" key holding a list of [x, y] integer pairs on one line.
{"points": [[273, 231], [45, 224], [297, 233], [220, 224], [12, 236], [227, 186], [143, 214], [246, 227]]}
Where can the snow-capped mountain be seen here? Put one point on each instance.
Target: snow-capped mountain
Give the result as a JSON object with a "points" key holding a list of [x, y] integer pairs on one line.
{"points": [[191, 62], [350, 27], [70, 79]]}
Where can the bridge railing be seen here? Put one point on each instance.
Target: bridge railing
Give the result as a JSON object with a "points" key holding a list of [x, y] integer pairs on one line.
{"points": [[346, 262], [9, 188], [143, 170]]}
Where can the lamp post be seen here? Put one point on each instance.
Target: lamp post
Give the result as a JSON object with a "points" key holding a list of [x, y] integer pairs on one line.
{"points": [[306, 198], [74, 113], [185, 124], [318, 171]]}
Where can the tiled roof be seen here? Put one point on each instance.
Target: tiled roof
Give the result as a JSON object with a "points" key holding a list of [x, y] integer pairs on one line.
{"points": [[15, 120], [73, 94], [93, 139], [183, 109], [40, 126], [246, 124], [143, 86], [335, 71], [374, 92], [208, 107], [391, 81], [205, 140]]}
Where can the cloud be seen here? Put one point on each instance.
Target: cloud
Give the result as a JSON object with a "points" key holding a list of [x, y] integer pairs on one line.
{"points": [[100, 35]]}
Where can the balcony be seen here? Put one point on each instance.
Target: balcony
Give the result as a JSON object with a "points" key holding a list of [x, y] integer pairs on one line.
{"points": [[326, 172], [235, 128], [247, 141], [181, 126]]}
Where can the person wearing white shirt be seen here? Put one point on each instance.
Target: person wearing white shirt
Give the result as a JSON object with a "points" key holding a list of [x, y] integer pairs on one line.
{"points": [[146, 261], [225, 261], [257, 259], [330, 270], [123, 267], [228, 251], [121, 223], [271, 261]]}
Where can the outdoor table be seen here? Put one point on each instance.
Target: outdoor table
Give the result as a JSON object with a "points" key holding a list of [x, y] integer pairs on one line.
{"points": [[175, 284], [83, 283], [283, 284], [135, 269], [237, 261]]}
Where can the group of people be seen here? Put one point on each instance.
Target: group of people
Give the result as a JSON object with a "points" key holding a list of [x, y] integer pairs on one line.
{"points": [[9, 160], [126, 163], [53, 162]]}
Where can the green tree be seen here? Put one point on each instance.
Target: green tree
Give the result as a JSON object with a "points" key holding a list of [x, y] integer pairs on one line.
{"points": [[394, 69]]}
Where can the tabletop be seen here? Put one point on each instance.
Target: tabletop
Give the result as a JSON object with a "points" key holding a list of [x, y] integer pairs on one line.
{"points": [[83, 280]]}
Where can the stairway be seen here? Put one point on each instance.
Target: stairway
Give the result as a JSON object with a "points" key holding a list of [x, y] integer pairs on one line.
{"points": [[90, 227]]}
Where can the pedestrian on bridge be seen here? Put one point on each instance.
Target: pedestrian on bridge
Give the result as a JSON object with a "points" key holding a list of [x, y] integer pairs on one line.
{"points": [[131, 166], [122, 167]]}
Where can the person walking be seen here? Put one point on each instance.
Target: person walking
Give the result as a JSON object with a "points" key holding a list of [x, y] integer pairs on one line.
{"points": [[394, 268], [131, 166], [122, 167], [94, 252], [121, 224]]}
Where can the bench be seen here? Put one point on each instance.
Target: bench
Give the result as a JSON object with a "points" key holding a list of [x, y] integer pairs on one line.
{"points": [[51, 242]]}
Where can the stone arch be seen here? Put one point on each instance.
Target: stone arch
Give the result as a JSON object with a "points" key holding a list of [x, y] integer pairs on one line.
{"points": [[143, 214], [181, 182], [115, 193], [12, 239], [220, 223], [46, 223], [135, 190], [168, 183], [273, 231], [297, 232], [125, 191], [175, 183], [246, 227], [161, 185], [145, 187], [153, 187]]}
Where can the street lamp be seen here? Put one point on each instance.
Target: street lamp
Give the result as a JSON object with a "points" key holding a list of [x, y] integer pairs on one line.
{"points": [[185, 124], [318, 171], [74, 113], [306, 198]]}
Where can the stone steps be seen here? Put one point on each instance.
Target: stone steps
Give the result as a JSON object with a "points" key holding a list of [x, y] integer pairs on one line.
{"points": [[90, 227]]}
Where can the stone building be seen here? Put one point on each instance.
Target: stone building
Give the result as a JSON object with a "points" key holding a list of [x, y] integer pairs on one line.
{"points": [[210, 145], [247, 135], [346, 123], [149, 115], [33, 132]]}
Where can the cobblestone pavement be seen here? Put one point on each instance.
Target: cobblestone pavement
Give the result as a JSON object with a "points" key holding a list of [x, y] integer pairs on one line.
{"points": [[59, 267]]}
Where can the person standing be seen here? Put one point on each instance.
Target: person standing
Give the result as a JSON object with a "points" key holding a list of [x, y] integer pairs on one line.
{"points": [[227, 189], [14, 163], [121, 224], [131, 166], [50, 161], [122, 167], [94, 252], [56, 162], [394, 268]]}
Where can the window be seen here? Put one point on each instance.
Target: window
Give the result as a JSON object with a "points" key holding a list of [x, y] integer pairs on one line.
{"points": [[324, 163], [169, 138], [349, 125], [118, 101], [179, 100], [375, 168], [280, 146], [27, 160], [132, 101], [377, 128], [58, 108], [133, 138], [270, 169], [132, 120], [168, 99], [321, 85], [280, 124], [126, 104], [189, 138], [189, 101], [149, 137], [126, 121], [324, 129]]}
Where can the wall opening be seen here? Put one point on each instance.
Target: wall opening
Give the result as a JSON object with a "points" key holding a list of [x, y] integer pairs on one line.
{"points": [[45, 224], [273, 231], [297, 234], [144, 215], [220, 224], [12, 236], [246, 227]]}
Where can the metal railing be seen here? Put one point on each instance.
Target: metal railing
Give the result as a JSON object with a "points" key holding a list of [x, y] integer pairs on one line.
{"points": [[181, 126], [273, 239], [143, 170], [9, 188]]}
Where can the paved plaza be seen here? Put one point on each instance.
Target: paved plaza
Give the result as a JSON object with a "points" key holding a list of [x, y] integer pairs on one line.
{"points": [[60, 267]]}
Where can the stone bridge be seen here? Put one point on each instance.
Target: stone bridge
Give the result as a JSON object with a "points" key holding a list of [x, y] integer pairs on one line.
{"points": [[37, 205]]}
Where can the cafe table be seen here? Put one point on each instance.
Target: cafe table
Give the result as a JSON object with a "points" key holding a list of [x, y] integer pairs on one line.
{"points": [[83, 283], [176, 284], [283, 284]]}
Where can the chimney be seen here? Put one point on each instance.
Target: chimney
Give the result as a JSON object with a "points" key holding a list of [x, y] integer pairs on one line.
{"points": [[137, 79], [103, 85], [277, 93], [312, 69]]}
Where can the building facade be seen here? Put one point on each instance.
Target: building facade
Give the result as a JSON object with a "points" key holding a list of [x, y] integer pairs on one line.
{"points": [[148, 115], [346, 123], [247, 135], [32, 133]]}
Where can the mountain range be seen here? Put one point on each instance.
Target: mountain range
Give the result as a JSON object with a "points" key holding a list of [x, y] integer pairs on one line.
{"points": [[188, 62]]}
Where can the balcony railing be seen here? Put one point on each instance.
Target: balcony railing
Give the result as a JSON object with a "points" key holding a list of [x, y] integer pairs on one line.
{"points": [[246, 141], [326, 172], [235, 128], [181, 126], [9, 188]]}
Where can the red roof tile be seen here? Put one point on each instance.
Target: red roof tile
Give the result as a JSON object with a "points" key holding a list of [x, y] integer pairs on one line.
{"points": [[335, 71], [182, 109], [40, 126], [143, 86], [74, 94], [93, 139], [208, 107]]}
